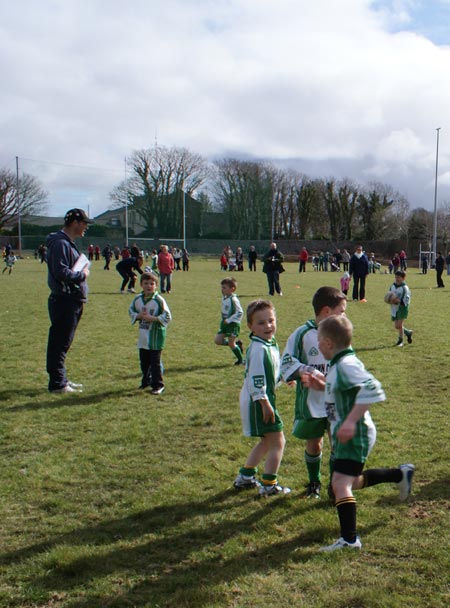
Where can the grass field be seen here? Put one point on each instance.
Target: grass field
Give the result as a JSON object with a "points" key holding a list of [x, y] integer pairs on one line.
{"points": [[118, 498]]}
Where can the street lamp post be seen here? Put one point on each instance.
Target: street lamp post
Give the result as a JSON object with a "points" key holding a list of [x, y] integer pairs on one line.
{"points": [[435, 197]]}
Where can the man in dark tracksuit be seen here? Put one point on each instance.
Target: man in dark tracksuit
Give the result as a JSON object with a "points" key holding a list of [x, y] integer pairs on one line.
{"points": [[125, 268], [359, 269], [68, 292]]}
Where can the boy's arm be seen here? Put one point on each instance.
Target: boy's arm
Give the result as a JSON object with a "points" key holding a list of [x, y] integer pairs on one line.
{"points": [[165, 317], [238, 313], [348, 427], [267, 411]]}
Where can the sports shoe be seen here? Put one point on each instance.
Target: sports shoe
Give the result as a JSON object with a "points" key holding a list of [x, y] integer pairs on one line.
{"points": [[404, 486], [280, 293], [75, 385], [409, 336], [313, 489], [241, 346], [273, 490], [245, 482], [399, 342], [65, 389], [241, 362], [131, 290], [157, 391], [342, 544]]}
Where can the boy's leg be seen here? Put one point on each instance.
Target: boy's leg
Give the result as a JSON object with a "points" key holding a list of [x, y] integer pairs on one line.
{"points": [[232, 343], [399, 327], [220, 339], [144, 359], [155, 367], [313, 460], [402, 476]]}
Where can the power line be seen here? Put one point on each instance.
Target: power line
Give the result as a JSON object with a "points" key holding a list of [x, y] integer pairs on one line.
{"points": [[50, 162]]}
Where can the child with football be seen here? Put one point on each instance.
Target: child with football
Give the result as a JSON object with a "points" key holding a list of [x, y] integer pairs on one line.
{"points": [[259, 414], [230, 325], [350, 390], [151, 311], [399, 301], [310, 416]]}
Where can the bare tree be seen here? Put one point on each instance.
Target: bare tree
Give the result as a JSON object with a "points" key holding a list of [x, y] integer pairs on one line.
{"points": [[31, 197], [158, 177]]}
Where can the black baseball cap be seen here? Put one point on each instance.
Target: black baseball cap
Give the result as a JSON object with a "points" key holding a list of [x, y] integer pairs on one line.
{"points": [[77, 215]]}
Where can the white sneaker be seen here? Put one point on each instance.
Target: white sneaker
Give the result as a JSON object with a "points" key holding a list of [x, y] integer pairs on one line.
{"points": [[131, 290], [342, 544], [404, 486], [274, 490], [75, 385], [65, 389], [245, 482]]}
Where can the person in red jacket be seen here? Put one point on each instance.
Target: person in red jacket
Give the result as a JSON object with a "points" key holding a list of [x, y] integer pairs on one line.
{"points": [[303, 258], [166, 266]]}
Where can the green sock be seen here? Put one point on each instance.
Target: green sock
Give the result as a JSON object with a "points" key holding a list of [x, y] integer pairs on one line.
{"points": [[269, 480], [248, 471], [313, 466], [237, 353]]}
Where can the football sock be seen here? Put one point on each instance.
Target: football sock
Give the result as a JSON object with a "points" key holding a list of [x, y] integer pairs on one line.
{"points": [[268, 480], [373, 477], [313, 465], [237, 353], [346, 508], [248, 471]]}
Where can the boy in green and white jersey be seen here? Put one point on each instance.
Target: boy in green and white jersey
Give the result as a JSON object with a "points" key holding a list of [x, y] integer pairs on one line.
{"points": [[350, 390], [259, 414], [153, 314], [302, 350], [400, 306], [230, 325]]}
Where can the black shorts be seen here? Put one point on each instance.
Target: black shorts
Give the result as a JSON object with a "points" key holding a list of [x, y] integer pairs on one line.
{"points": [[348, 467]]}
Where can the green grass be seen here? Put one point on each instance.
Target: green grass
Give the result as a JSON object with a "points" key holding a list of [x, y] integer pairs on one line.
{"points": [[117, 498]]}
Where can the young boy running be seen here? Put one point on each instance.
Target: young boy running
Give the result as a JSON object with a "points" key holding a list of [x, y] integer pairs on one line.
{"points": [[230, 325], [153, 314], [259, 413], [350, 390], [400, 306], [310, 416]]}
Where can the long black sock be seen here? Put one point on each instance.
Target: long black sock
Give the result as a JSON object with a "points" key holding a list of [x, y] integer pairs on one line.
{"points": [[346, 508], [373, 477]]}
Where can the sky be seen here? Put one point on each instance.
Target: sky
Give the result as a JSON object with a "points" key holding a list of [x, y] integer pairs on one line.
{"points": [[350, 88]]}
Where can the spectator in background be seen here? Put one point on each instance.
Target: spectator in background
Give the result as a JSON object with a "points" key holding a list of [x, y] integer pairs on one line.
{"points": [[403, 260], [447, 261], [185, 259], [439, 265], [303, 258], [345, 259], [166, 267], [395, 262], [424, 264], [239, 259], [273, 267], [107, 254], [359, 269], [252, 257]]}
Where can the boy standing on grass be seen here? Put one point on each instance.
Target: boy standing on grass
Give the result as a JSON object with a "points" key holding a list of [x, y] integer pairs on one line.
{"points": [[259, 414], [400, 306], [10, 260], [153, 314], [230, 325], [350, 390], [310, 417]]}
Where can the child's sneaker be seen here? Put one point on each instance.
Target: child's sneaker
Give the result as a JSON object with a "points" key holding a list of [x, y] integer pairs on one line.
{"points": [[245, 482], [241, 362], [273, 490], [342, 544], [399, 342], [313, 489], [404, 485], [409, 336]]}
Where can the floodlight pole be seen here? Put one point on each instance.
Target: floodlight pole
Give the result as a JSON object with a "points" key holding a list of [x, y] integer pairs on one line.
{"points": [[184, 219], [435, 197], [19, 223], [126, 204]]}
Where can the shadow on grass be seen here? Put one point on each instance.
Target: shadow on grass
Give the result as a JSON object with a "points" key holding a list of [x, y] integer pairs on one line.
{"points": [[178, 562], [59, 400]]}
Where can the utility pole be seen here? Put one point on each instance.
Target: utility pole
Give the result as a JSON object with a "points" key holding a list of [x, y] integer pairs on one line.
{"points": [[435, 198], [19, 223]]}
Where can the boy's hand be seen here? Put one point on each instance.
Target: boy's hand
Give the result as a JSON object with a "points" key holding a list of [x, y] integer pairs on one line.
{"points": [[267, 411], [346, 431], [315, 380]]}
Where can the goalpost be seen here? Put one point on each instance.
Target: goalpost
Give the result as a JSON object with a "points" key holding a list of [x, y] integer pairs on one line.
{"points": [[429, 255]]}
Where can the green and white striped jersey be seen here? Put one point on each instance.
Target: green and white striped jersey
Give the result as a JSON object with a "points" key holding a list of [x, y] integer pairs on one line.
{"points": [[302, 354], [152, 336], [231, 309], [403, 293], [349, 383]]}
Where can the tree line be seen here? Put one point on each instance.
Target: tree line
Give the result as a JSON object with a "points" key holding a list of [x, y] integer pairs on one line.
{"points": [[258, 199]]}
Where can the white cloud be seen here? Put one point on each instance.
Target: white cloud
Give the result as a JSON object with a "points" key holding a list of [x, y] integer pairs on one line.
{"points": [[323, 81]]}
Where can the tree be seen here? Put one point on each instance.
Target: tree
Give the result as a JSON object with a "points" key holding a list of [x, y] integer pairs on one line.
{"points": [[372, 207], [30, 199], [158, 177]]}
